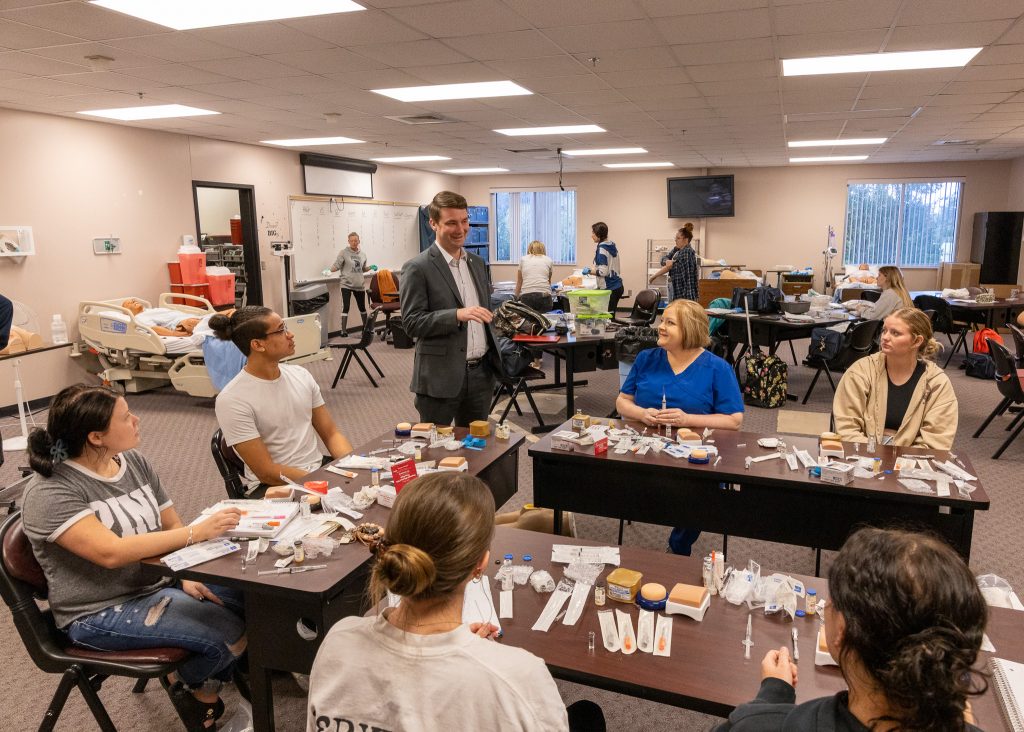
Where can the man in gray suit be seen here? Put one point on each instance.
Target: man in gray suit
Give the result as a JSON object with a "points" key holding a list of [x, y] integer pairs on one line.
{"points": [[444, 292]]}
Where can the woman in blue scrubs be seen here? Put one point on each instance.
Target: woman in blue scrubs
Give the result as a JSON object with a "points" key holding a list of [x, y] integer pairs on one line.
{"points": [[682, 385]]}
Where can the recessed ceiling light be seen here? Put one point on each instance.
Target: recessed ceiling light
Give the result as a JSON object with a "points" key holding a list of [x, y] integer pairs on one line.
{"points": [[441, 92], [829, 159], [158, 111], [638, 165], [896, 61], [831, 143], [189, 14], [313, 141], [460, 171], [607, 151], [411, 159], [556, 130]]}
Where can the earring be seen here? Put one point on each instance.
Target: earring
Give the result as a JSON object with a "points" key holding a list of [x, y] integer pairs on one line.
{"points": [[476, 575]]}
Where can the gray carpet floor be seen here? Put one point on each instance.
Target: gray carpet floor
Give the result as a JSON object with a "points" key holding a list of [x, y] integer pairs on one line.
{"points": [[176, 431]]}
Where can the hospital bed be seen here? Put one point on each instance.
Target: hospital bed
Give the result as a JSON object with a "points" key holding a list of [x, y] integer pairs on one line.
{"points": [[133, 357]]}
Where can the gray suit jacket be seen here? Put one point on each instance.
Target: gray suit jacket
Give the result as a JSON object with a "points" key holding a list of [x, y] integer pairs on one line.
{"points": [[429, 298]]}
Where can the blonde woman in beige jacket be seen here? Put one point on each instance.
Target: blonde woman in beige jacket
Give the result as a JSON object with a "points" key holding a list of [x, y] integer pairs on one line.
{"points": [[898, 396]]}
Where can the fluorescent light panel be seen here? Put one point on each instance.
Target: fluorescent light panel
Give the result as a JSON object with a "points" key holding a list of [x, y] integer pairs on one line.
{"points": [[867, 62], [829, 159], [556, 130], [411, 159], [312, 141], [837, 143], [607, 151], [159, 111], [639, 165], [189, 14], [460, 171], [441, 92]]}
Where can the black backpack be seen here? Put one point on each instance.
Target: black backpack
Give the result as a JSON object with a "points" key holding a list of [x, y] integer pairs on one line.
{"points": [[980, 366], [513, 317], [762, 300]]}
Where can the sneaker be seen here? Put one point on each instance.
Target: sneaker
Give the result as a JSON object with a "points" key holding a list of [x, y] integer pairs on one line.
{"points": [[343, 333]]}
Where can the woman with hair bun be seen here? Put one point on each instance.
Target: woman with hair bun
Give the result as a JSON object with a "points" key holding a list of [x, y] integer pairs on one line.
{"points": [[898, 396], [681, 264], [92, 512], [416, 666], [904, 620]]}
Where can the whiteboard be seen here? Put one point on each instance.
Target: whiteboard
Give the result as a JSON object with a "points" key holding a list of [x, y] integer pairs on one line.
{"points": [[388, 233]]}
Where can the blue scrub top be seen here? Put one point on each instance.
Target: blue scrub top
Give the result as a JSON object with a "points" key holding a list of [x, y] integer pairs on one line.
{"points": [[706, 386]]}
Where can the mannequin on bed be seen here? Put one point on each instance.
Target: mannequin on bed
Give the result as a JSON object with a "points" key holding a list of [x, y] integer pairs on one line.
{"points": [[165, 321]]}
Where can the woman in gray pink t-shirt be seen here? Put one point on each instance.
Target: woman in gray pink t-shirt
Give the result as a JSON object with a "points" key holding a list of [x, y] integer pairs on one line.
{"points": [[94, 509]]}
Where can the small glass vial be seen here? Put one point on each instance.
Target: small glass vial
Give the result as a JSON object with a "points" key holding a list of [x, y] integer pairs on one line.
{"points": [[418, 453], [304, 507], [600, 594], [375, 477], [299, 555], [590, 641], [811, 602], [871, 444], [708, 576]]}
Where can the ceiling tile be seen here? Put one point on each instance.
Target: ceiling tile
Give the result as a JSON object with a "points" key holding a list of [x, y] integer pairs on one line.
{"points": [[453, 19], [89, 21], [327, 61], [646, 77], [630, 59], [29, 63], [836, 16], [413, 53], [524, 68], [373, 79], [715, 27], [798, 45], [946, 35], [180, 47], [249, 68], [236, 89], [597, 38], [546, 14], [356, 29], [262, 38], [75, 53], [453, 73], [920, 12], [113, 81], [305, 84], [739, 87], [662, 8], [514, 45], [46, 87], [735, 71], [578, 82], [699, 54], [20, 36], [178, 74]]}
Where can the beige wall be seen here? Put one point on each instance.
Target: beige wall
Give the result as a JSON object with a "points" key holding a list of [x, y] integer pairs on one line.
{"points": [[782, 214], [72, 180]]}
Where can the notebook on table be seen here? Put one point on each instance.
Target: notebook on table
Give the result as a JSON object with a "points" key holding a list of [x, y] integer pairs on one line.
{"points": [[1008, 679]]}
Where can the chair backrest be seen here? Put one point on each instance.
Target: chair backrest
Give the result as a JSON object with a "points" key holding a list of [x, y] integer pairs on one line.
{"points": [[942, 322], [645, 305], [368, 328], [859, 341], [21, 582], [870, 295], [230, 466], [1018, 340], [1006, 371]]}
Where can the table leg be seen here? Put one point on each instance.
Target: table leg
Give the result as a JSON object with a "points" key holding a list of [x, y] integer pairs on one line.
{"points": [[557, 527], [570, 371], [262, 696]]}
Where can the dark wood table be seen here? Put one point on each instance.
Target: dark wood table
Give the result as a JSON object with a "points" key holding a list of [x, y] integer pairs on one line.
{"points": [[707, 671], [275, 605], [766, 501], [772, 331], [978, 312]]}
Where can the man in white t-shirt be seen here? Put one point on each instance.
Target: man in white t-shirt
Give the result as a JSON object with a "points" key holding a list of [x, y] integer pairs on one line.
{"points": [[272, 413]]}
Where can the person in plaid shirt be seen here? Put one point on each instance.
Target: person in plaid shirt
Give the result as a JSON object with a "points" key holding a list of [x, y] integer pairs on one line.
{"points": [[682, 266]]}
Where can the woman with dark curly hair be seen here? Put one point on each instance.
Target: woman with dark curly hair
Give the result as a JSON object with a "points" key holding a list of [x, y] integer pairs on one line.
{"points": [[905, 621]]}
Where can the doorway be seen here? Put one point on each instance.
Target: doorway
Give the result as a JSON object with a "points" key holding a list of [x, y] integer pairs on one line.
{"points": [[226, 229]]}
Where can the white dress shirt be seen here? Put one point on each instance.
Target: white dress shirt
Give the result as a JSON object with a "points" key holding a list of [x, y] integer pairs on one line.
{"points": [[476, 342]]}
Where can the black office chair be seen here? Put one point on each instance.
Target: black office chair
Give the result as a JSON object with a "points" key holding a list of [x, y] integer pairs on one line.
{"points": [[645, 308], [353, 348], [230, 466], [22, 583], [943, 322], [1008, 383], [1018, 343], [870, 295], [858, 341]]}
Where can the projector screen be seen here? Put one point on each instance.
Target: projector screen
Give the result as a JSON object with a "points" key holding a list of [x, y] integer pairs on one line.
{"points": [[333, 182]]}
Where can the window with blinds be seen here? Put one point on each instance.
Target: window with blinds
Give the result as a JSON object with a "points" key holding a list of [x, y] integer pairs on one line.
{"points": [[523, 216], [911, 224]]}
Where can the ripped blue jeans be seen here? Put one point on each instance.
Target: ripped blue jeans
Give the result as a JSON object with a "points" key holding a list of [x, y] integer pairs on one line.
{"points": [[204, 628]]}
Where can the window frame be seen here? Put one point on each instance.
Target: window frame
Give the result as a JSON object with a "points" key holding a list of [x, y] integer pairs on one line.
{"points": [[493, 214], [900, 223]]}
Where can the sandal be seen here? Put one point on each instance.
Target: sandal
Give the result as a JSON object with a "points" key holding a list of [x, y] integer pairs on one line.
{"points": [[195, 714]]}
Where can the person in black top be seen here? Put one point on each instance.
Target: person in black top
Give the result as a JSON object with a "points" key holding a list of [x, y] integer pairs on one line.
{"points": [[905, 621]]}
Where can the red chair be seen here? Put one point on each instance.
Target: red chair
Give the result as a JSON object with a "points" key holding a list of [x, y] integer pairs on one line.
{"points": [[21, 583]]}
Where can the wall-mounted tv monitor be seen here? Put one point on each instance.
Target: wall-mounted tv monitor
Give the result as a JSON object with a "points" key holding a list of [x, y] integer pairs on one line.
{"points": [[707, 195]]}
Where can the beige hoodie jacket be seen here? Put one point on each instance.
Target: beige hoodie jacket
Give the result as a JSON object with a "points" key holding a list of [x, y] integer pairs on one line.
{"points": [[860, 401]]}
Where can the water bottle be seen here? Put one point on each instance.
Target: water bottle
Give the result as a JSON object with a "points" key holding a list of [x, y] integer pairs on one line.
{"points": [[58, 330]]}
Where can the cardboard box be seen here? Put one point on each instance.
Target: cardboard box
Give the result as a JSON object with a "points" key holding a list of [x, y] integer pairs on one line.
{"points": [[957, 275]]}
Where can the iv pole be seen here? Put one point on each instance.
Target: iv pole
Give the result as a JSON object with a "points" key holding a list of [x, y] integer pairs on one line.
{"points": [[21, 441], [829, 251]]}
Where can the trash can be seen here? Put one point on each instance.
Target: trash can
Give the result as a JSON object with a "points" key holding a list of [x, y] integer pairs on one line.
{"points": [[310, 299], [399, 338]]}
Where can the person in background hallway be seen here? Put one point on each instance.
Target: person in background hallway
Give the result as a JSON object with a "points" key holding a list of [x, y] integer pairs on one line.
{"points": [[904, 620], [94, 509], [606, 265], [439, 672], [681, 265], [533, 280], [898, 396], [351, 262], [444, 291]]}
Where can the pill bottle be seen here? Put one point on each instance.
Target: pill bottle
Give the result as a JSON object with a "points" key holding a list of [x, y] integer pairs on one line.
{"points": [[375, 477], [599, 593], [299, 555], [811, 601]]}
